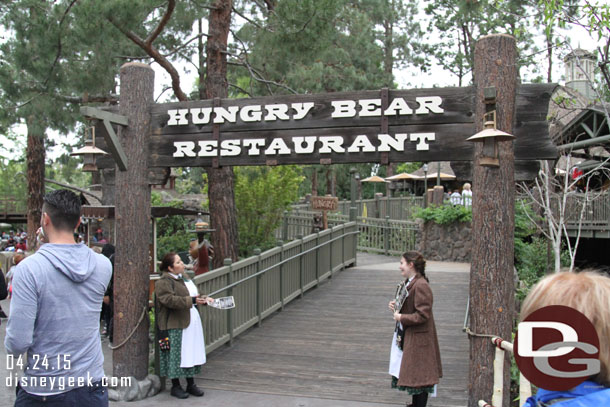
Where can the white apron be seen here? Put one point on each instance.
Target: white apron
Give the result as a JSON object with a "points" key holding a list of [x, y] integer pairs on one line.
{"points": [[193, 342], [395, 357]]}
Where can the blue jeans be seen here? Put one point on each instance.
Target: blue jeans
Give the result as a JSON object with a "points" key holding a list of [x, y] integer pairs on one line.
{"points": [[90, 396]]}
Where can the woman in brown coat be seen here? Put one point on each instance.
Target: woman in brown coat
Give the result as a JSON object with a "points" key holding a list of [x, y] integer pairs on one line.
{"points": [[420, 368], [177, 299]]}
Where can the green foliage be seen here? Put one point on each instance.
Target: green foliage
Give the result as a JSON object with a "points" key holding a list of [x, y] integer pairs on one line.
{"points": [[444, 214], [531, 252], [262, 194], [172, 235], [66, 169], [12, 182], [309, 46], [459, 23], [408, 167]]}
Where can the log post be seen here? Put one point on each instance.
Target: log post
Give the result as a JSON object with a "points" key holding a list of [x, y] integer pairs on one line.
{"points": [[132, 214], [493, 220]]}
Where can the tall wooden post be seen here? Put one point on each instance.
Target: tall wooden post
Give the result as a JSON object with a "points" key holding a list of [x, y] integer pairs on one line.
{"points": [[131, 266], [491, 273]]}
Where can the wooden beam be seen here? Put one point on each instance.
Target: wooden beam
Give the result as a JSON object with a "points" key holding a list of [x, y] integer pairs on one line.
{"points": [[114, 146], [99, 114]]}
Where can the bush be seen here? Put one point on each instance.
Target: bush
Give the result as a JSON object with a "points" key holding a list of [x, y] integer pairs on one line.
{"points": [[444, 214]]}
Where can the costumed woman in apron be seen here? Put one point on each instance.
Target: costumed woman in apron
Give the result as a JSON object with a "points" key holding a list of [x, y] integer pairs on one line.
{"points": [[180, 325], [415, 362]]}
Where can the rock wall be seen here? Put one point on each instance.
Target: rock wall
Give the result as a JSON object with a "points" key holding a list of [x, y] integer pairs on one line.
{"points": [[451, 242]]}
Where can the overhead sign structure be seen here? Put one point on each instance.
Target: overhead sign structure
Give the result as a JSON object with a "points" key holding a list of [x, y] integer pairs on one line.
{"points": [[371, 126], [348, 127]]}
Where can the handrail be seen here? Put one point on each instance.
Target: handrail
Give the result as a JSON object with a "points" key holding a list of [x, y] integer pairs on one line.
{"points": [[387, 236], [235, 284], [264, 283]]}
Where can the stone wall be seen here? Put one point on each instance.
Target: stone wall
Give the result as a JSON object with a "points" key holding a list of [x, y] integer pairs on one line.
{"points": [[451, 242]]}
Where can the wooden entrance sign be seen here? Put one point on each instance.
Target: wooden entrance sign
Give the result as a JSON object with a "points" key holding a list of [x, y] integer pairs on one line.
{"points": [[423, 125], [324, 204]]}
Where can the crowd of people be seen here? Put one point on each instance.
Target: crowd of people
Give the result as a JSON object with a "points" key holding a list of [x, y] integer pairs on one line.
{"points": [[13, 241], [463, 197]]}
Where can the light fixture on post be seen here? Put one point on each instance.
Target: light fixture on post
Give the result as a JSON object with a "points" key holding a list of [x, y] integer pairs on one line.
{"points": [[489, 136], [89, 151]]}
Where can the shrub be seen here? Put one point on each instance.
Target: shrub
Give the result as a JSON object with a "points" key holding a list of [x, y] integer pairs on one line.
{"points": [[444, 214]]}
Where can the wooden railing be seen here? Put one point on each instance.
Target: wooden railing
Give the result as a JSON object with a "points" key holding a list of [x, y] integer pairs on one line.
{"points": [[596, 212], [387, 236], [265, 283], [400, 208], [12, 207]]}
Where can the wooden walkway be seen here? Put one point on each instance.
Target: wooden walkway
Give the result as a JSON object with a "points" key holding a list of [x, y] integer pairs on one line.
{"points": [[334, 343]]}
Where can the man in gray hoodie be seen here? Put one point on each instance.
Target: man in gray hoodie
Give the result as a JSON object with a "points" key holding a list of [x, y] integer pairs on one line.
{"points": [[54, 314]]}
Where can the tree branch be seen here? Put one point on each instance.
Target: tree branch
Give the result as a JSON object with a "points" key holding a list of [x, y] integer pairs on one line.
{"points": [[61, 184], [240, 89], [180, 48], [58, 54], [86, 98], [160, 59], [254, 23], [168, 13]]}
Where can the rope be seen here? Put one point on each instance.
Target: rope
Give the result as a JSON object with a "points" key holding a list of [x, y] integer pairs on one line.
{"points": [[133, 331], [470, 333]]}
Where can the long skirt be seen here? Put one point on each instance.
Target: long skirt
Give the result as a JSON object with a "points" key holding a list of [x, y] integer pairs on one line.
{"points": [[170, 360]]}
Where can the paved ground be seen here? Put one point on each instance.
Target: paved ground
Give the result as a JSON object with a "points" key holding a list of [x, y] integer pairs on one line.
{"points": [[329, 349]]}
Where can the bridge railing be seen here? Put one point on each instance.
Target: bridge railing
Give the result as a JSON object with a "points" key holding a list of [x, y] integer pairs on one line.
{"points": [[399, 208], [266, 282], [12, 206], [387, 236], [596, 213]]}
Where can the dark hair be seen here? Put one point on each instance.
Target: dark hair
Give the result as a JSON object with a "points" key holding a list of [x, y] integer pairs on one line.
{"points": [[108, 250], [63, 207], [167, 261], [419, 263]]}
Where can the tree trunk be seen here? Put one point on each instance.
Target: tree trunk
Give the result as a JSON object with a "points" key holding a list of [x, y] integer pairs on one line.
{"points": [[492, 269], [132, 214], [314, 182], [549, 55], [329, 181], [221, 180], [35, 156], [389, 172]]}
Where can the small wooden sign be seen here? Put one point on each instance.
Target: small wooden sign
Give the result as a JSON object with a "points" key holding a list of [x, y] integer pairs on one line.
{"points": [[324, 203]]}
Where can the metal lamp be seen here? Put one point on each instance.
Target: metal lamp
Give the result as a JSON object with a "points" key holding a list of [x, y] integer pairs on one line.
{"points": [[489, 136], [89, 152]]}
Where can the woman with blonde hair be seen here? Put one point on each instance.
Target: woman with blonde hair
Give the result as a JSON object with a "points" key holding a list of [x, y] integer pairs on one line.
{"points": [[589, 293], [466, 195]]}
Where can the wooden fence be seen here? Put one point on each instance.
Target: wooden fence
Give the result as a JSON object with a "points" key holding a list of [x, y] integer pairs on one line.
{"points": [[388, 236], [266, 282], [400, 208]]}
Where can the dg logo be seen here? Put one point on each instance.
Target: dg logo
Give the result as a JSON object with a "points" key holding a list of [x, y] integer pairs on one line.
{"points": [[557, 348]]}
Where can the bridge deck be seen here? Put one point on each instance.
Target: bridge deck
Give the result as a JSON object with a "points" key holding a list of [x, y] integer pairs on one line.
{"points": [[334, 343], [337, 359]]}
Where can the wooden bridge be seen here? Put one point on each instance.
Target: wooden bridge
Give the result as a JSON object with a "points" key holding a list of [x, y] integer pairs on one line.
{"points": [[333, 344], [12, 211]]}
